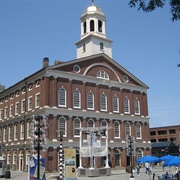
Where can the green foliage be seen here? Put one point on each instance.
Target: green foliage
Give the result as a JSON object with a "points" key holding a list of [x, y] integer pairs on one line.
{"points": [[151, 5]]}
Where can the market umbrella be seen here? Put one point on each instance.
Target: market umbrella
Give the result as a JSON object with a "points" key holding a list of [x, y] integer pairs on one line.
{"points": [[175, 161], [147, 159], [166, 157]]}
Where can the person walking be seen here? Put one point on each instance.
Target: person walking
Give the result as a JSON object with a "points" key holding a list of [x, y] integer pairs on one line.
{"points": [[138, 169]]}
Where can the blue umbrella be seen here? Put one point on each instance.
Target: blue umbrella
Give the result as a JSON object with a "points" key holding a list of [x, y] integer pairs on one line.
{"points": [[166, 157], [147, 159], [175, 161]]}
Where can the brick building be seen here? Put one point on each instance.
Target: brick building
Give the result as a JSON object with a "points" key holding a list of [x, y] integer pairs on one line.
{"points": [[165, 133], [90, 91]]}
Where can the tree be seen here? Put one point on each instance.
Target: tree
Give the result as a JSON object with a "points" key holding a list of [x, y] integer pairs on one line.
{"points": [[152, 5]]}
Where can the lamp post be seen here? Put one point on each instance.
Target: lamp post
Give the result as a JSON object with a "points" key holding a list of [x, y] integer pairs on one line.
{"points": [[38, 133], [130, 150]]}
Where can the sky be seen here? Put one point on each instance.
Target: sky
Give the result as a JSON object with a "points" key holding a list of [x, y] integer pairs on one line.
{"points": [[146, 44]]}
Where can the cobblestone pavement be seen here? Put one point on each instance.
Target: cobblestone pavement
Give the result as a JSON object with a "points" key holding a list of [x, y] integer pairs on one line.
{"points": [[115, 175]]}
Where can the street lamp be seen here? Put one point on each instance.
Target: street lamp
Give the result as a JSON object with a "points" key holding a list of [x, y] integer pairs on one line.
{"points": [[130, 151], [38, 127]]}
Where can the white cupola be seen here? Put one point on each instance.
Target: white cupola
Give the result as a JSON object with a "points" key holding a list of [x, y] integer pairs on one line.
{"points": [[93, 33]]}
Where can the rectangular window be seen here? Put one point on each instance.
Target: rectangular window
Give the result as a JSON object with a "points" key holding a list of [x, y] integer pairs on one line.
{"points": [[15, 133], [23, 104], [6, 112], [37, 101], [4, 135], [10, 133], [14, 158], [30, 103], [28, 130], [17, 108], [8, 159], [11, 110], [22, 131]]}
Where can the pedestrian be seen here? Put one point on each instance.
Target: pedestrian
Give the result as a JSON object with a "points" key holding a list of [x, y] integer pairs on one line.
{"points": [[138, 169], [150, 169], [147, 168]]}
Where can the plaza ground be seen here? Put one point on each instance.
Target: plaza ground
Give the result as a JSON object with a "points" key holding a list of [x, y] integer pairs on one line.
{"points": [[115, 175]]}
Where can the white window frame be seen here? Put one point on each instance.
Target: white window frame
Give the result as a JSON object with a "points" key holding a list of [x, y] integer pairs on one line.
{"points": [[77, 124], [11, 110], [15, 133], [4, 135], [37, 100], [9, 158], [103, 102], [90, 101], [23, 104], [6, 112], [30, 100], [62, 97], [77, 99], [126, 106], [37, 84], [90, 124], [22, 130], [116, 129], [15, 158], [138, 131], [63, 126], [127, 129], [102, 75], [136, 107], [17, 108], [10, 133], [115, 104]]}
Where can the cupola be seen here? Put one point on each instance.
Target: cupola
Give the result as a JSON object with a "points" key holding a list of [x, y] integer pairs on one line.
{"points": [[93, 33]]}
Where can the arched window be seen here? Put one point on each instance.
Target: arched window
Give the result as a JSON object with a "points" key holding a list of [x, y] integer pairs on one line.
{"points": [[127, 129], [126, 105], [136, 107], [76, 99], [116, 129], [103, 102], [139, 153], [92, 25], [138, 131], [101, 46], [77, 124], [104, 123], [90, 100], [102, 74], [99, 26], [115, 104], [62, 97], [85, 27], [90, 123], [62, 126]]}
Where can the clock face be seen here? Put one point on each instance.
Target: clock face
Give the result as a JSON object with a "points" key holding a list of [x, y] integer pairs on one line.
{"points": [[76, 68]]}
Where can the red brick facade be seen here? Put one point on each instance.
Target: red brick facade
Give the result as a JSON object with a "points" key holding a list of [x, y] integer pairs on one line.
{"points": [[47, 83]]}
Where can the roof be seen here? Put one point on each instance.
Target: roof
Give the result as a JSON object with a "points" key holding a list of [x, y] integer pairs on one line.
{"points": [[162, 144]]}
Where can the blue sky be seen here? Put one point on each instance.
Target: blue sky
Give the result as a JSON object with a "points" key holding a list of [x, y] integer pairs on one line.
{"points": [[146, 44]]}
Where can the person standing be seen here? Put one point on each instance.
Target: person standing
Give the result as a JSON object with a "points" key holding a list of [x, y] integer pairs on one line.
{"points": [[147, 168]]}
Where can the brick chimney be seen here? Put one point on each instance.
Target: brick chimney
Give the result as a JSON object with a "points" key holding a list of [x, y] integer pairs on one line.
{"points": [[2, 88], [45, 62]]}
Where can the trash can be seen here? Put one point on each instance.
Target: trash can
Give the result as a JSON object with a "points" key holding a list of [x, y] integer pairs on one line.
{"points": [[8, 174], [128, 169]]}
